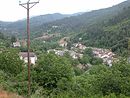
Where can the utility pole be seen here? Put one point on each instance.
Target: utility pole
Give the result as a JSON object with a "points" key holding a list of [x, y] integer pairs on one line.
{"points": [[28, 7]]}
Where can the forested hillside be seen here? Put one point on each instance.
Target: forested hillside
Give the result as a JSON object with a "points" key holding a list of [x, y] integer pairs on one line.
{"points": [[70, 59], [19, 27], [35, 21], [113, 33], [77, 23], [105, 28], [81, 22]]}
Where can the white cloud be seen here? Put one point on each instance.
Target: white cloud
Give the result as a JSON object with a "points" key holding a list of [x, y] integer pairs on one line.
{"points": [[11, 11]]}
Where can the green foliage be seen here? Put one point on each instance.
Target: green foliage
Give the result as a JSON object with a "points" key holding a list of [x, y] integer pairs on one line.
{"points": [[110, 33], [73, 62], [88, 58], [96, 61], [2, 36], [4, 41], [20, 82], [41, 46], [10, 62], [78, 71], [54, 73], [89, 52], [13, 39], [57, 77], [3, 79], [54, 77], [104, 80], [85, 60], [24, 49]]}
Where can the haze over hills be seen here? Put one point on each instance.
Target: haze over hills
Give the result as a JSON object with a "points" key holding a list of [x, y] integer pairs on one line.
{"points": [[100, 28], [105, 28], [75, 23], [20, 26], [67, 23]]}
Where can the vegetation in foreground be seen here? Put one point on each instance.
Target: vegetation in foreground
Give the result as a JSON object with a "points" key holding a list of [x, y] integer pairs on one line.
{"points": [[58, 77], [55, 77]]}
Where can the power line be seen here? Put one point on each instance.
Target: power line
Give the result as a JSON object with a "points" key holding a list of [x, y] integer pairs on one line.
{"points": [[28, 7]]}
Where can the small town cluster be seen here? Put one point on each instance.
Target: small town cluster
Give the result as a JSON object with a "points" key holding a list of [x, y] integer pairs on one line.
{"points": [[76, 52], [105, 54]]}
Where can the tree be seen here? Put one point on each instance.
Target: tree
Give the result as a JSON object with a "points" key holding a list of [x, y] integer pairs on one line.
{"points": [[2, 36], [54, 73], [96, 61], [85, 59], [3, 79], [13, 39], [89, 52], [10, 62], [20, 82]]}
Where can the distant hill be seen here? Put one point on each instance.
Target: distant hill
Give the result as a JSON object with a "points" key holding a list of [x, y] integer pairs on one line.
{"points": [[106, 28], [111, 31], [20, 26], [37, 20], [66, 23], [76, 23]]}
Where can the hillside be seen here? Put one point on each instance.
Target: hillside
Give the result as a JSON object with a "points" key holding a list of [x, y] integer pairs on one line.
{"points": [[37, 20], [113, 33], [77, 23], [19, 27], [105, 28], [66, 23], [70, 56]]}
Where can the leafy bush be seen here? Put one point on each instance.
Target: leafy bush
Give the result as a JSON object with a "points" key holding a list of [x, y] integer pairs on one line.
{"points": [[10, 62], [54, 73]]}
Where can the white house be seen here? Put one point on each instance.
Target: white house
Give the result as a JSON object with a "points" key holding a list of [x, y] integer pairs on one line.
{"points": [[16, 44], [24, 56], [75, 55], [80, 46]]}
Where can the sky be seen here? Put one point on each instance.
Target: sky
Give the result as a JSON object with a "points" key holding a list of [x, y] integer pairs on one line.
{"points": [[11, 11]]}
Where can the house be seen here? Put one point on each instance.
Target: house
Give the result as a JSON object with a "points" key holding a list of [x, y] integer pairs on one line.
{"points": [[128, 59], [16, 44], [58, 52], [79, 46], [105, 54], [63, 42], [75, 55], [82, 47], [24, 57]]}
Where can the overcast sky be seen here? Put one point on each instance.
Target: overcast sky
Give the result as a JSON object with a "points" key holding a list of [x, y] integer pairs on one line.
{"points": [[11, 11]]}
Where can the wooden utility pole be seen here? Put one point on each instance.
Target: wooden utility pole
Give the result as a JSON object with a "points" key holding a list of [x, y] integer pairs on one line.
{"points": [[28, 7]]}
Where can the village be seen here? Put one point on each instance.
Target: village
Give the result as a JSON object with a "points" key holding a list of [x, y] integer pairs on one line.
{"points": [[76, 51]]}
